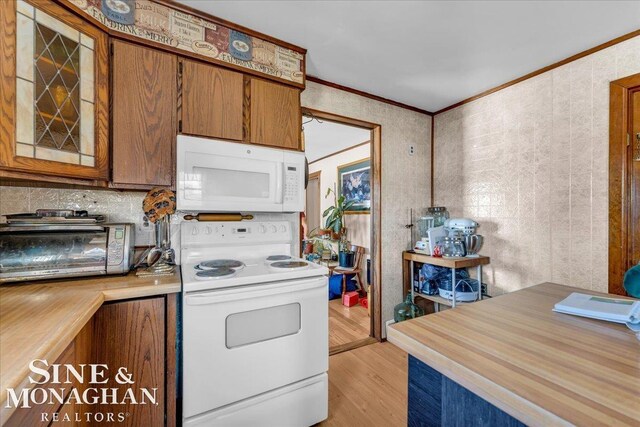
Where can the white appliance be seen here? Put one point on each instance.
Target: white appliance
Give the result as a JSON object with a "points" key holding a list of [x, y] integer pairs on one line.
{"points": [[222, 176], [255, 327], [466, 229], [464, 226]]}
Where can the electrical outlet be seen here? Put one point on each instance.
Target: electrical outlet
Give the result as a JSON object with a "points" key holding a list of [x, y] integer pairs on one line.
{"points": [[144, 232], [412, 150]]}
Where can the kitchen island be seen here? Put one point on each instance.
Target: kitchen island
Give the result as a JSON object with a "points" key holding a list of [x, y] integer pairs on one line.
{"points": [[511, 360], [43, 320]]}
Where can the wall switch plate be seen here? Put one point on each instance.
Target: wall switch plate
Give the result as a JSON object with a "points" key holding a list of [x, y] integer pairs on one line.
{"points": [[412, 150]]}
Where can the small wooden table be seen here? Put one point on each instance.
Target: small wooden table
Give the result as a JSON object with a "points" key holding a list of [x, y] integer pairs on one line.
{"points": [[331, 265], [410, 257]]}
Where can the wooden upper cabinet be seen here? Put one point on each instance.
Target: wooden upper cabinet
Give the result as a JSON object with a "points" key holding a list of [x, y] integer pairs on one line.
{"points": [[144, 96], [275, 114], [54, 99], [211, 101]]}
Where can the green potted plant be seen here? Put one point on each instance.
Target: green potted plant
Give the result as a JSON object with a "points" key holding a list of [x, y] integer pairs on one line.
{"points": [[323, 249], [307, 244], [334, 215], [346, 257]]}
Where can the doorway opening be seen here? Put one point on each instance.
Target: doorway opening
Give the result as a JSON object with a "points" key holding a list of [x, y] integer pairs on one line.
{"points": [[341, 222], [624, 180]]}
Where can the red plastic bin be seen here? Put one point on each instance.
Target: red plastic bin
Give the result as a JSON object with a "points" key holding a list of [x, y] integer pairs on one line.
{"points": [[350, 298]]}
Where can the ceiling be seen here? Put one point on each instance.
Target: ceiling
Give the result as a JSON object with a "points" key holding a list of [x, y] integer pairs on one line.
{"points": [[323, 139], [431, 54]]}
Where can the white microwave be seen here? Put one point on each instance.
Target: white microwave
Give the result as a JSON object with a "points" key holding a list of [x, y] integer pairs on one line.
{"points": [[222, 176]]}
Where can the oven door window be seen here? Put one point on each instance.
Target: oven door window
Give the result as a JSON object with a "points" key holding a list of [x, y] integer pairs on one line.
{"points": [[261, 325], [67, 251]]}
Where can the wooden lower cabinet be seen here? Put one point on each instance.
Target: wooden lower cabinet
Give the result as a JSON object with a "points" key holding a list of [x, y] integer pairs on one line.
{"points": [[41, 415], [131, 335], [66, 416], [138, 335]]}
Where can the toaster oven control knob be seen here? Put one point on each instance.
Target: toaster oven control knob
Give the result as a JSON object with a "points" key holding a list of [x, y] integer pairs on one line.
{"points": [[283, 228], [262, 229], [273, 229]]}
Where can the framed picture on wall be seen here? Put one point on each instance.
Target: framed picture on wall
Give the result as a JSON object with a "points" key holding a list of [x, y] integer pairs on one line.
{"points": [[354, 182]]}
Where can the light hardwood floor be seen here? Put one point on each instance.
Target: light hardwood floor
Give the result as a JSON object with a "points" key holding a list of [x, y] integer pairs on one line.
{"points": [[347, 324], [368, 387]]}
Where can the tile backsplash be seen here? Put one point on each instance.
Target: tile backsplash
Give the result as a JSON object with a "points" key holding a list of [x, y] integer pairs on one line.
{"points": [[118, 206]]}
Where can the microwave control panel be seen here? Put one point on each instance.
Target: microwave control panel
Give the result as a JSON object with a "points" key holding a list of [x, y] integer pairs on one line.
{"points": [[291, 183]]}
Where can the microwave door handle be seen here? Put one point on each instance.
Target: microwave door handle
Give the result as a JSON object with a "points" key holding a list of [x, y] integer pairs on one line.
{"points": [[280, 183], [306, 172]]}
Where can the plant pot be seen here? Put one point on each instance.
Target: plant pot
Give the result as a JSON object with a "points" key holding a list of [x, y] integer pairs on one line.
{"points": [[346, 259], [325, 233], [307, 247]]}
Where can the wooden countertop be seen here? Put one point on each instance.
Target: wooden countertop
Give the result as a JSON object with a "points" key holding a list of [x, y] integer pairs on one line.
{"points": [[541, 367], [38, 320]]}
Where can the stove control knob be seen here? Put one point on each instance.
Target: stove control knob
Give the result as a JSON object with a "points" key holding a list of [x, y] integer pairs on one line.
{"points": [[262, 229], [194, 231], [283, 228], [207, 230], [273, 229]]}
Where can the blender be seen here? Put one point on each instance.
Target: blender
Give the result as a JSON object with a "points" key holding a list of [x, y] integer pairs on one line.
{"points": [[422, 243]]}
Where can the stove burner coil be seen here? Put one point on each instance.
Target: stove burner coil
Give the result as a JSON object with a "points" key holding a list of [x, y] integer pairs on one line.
{"points": [[289, 264], [278, 258], [220, 263], [216, 272]]}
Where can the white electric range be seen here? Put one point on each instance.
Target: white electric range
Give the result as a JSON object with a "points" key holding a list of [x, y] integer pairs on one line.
{"points": [[255, 327]]}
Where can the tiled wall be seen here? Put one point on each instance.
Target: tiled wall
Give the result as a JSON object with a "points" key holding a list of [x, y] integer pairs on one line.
{"points": [[405, 179], [530, 164]]}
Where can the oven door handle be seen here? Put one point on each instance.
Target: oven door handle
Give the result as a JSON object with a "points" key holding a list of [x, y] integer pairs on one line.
{"points": [[227, 295]]}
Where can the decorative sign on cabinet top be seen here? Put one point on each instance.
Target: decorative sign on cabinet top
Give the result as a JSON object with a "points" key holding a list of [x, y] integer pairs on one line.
{"points": [[161, 24]]}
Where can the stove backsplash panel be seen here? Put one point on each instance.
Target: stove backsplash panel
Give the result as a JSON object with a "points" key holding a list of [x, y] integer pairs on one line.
{"points": [[118, 206]]}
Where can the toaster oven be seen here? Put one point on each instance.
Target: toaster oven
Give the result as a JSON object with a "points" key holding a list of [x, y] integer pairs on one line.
{"points": [[51, 251]]}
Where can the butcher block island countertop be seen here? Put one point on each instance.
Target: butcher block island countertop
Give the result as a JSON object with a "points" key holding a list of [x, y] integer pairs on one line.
{"points": [[39, 319], [541, 367]]}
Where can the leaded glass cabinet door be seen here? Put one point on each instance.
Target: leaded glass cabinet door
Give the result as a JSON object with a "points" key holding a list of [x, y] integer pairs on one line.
{"points": [[57, 120]]}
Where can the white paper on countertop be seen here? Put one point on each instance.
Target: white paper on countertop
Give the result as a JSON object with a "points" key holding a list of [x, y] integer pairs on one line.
{"points": [[616, 310]]}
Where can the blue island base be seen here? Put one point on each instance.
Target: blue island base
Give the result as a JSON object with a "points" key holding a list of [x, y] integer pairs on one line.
{"points": [[435, 400]]}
